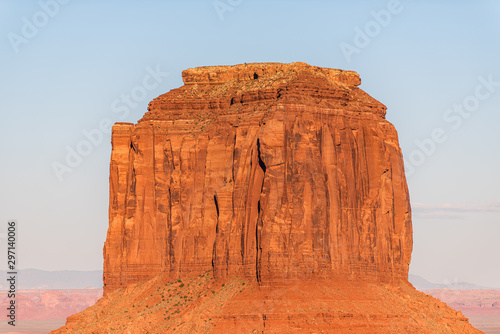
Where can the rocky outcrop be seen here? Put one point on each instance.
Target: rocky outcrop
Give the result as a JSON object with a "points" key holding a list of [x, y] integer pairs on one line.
{"points": [[267, 171], [261, 198], [220, 306]]}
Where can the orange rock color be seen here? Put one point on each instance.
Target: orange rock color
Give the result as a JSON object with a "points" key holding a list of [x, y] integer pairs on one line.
{"points": [[286, 182], [265, 171], [225, 306]]}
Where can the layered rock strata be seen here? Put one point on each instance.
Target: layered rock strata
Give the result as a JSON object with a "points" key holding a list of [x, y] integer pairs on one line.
{"points": [[261, 198], [272, 172]]}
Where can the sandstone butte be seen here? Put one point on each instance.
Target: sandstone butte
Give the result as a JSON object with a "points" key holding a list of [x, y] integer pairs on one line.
{"points": [[261, 198]]}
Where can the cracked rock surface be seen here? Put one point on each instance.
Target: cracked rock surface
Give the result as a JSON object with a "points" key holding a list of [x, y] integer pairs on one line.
{"points": [[265, 171], [277, 193]]}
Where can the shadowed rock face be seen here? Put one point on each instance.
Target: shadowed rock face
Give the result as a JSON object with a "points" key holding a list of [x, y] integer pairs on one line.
{"points": [[268, 172]]}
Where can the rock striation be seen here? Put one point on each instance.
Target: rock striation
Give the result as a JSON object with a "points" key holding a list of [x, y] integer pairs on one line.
{"points": [[267, 171], [261, 198]]}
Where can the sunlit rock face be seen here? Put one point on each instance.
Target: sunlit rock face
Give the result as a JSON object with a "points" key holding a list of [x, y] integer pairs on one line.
{"points": [[272, 172], [261, 198]]}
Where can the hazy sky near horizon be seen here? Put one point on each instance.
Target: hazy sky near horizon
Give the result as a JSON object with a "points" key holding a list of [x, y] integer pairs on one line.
{"points": [[66, 68]]}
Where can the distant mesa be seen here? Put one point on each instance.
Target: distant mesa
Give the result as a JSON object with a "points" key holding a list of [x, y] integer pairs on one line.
{"points": [[422, 284], [30, 279], [261, 198]]}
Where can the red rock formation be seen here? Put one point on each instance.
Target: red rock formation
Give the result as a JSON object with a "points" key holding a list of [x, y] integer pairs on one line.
{"points": [[206, 305], [267, 171], [482, 307], [49, 304], [276, 193], [470, 302]]}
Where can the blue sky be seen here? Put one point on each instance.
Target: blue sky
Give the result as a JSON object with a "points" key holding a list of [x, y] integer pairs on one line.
{"points": [[423, 62]]}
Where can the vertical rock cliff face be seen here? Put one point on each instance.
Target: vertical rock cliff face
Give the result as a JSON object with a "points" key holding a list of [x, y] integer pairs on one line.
{"points": [[272, 172], [261, 198]]}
